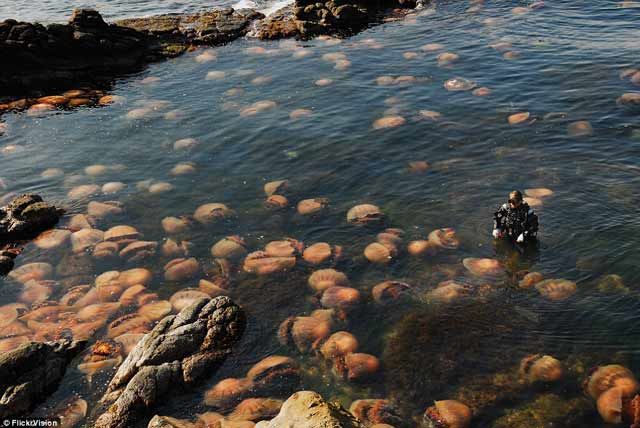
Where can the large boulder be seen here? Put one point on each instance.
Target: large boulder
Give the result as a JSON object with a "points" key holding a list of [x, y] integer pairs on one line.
{"points": [[179, 351], [23, 218], [31, 372], [307, 409], [39, 57]]}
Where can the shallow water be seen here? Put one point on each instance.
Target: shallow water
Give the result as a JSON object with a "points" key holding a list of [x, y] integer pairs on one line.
{"points": [[569, 63]]}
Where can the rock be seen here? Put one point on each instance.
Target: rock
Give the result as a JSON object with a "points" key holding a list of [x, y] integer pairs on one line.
{"points": [[25, 217], [213, 27], [179, 351], [88, 49], [307, 409], [31, 372]]}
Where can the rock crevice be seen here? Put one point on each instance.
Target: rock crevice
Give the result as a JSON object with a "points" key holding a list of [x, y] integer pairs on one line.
{"points": [[179, 351]]}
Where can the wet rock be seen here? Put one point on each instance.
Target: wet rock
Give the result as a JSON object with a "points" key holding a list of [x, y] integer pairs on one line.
{"points": [[212, 27], [89, 49], [429, 350], [548, 410], [179, 351], [26, 216], [31, 372], [309, 410], [308, 18]]}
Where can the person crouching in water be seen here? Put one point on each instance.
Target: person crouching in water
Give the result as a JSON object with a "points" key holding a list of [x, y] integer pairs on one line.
{"points": [[515, 220]]}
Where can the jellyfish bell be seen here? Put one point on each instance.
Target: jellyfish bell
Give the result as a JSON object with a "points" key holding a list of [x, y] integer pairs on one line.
{"points": [[181, 269], [338, 345], [232, 247], [380, 253], [29, 271], [447, 292], [449, 414], [128, 341], [483, 266], [447, 58], [344, 298], [183, 298], [365, 214], [361, 367], [83, 191], [300, 113], [481, 92], [609, 376], [185, 144], [459, 84], [518, 118], [256, 409], [556, 290], [538, 192], [113, 187], [389, 291], [212, 213], [322, 279], [581, 128], [541, 368], [444, 238], [275, 202], [227, 392], [312, 206], [387, 122], [156, 310], [284, 248], [175, 225], [530, 279], [53, 238], [532, 202]]}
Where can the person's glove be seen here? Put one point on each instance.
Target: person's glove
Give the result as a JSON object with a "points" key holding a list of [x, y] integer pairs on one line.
{"points": [[520, 239], [497, 233]]}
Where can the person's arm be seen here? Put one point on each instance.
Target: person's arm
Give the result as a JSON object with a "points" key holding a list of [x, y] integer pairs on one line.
{"points": [[530, 226], [498, 222]]}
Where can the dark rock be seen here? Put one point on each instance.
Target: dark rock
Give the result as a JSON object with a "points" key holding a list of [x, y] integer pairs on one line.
{"points": [[430, 350], [25, 217], [32, 372], [179, 351]]}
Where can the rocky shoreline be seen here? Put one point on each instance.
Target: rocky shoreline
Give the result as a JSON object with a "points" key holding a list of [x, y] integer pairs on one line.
{"points": [[88, 51]]}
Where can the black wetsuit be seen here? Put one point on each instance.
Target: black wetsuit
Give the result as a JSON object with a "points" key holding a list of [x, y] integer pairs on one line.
{"points": [[515, 221]]}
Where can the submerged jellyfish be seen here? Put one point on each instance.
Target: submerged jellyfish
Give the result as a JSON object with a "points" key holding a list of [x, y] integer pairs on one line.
{"points": [[483, 267], [518, 118], [459, 84], [387, 122], [581, 128]]}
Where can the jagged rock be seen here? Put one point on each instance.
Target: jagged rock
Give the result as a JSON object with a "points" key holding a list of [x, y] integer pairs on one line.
{"points": [[212, 27], [309, 18], [307, 409], [45, 57], [31, 372], [179, 351], [25, 217]]}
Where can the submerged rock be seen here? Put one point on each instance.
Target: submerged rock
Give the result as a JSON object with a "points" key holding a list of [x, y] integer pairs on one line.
{"points": [[309, 410], [430, 349], [31, 372], [179, 351]]}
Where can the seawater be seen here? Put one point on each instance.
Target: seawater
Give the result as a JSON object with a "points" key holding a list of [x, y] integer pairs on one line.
{"points": [[568, 69]]}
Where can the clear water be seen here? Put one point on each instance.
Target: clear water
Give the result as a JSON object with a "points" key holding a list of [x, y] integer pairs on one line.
{"points": [[571, 55]]}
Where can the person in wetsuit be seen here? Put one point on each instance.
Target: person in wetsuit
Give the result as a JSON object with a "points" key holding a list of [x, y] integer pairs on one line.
{"points": [[515, 220]]}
